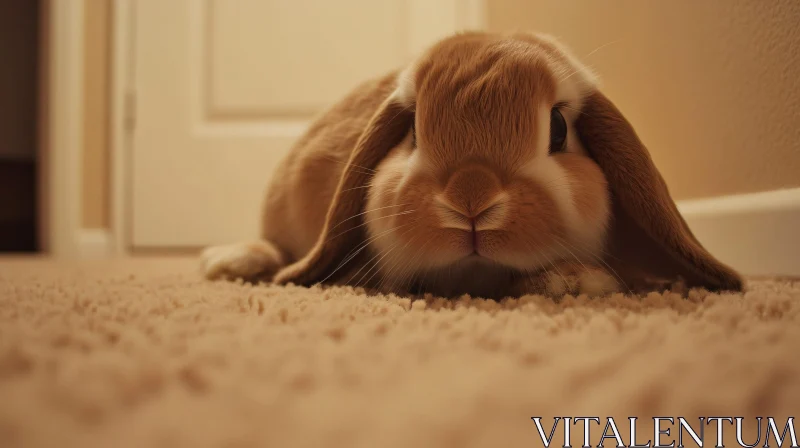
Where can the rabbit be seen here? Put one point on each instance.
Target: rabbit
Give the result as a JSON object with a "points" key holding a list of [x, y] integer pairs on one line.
{"points": [[492, 166]]}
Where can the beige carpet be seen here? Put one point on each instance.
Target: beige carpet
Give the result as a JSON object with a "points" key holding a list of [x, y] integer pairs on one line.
{"points": [[144, 353]]}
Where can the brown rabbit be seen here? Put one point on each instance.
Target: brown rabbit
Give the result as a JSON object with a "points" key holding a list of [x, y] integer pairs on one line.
{"points": [[490, 166]]}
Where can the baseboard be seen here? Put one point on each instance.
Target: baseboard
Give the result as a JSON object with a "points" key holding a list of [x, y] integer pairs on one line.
{"points": [[756, 233], [95, 243]]}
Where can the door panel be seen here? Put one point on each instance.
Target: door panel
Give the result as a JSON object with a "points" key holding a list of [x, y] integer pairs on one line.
{"points": [[223, 88], [299, 59]]}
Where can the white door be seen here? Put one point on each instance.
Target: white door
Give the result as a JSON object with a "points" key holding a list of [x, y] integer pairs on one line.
{"points": [[223, 87]]}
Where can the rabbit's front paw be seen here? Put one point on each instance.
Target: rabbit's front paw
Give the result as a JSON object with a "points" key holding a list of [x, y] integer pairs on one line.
{"points": [[247, 261], [575, 279]]}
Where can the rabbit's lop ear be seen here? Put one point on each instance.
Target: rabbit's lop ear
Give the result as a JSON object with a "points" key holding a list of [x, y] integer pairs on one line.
{"points": [[343, 235], [648, 238]]}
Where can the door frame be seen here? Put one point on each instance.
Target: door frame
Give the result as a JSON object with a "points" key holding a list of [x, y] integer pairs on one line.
{"points": [[463, 14], [61, 136], [60, 126], [122, 122]]}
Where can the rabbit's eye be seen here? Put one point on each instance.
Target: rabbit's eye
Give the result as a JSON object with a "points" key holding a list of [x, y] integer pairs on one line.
{"points": [[558, 131]]}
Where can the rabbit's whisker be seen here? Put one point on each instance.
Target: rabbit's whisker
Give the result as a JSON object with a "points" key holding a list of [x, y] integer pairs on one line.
{"points": [[603, 46], [329, 158], [377, 263], [353, 253], [369, 221], [364, 213]]}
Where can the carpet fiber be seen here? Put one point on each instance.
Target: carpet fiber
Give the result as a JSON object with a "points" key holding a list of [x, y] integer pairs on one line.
{"points": [[138, 353]]}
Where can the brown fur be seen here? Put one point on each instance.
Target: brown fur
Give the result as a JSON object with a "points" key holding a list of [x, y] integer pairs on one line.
{"points": [[383, 131], [650, 237], [487, 87], [298, 200], [475, 105], [474, 79], [590, 184]]}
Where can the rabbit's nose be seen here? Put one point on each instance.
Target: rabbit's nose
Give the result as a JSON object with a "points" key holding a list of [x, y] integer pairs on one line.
{"points": [[472, 190]]}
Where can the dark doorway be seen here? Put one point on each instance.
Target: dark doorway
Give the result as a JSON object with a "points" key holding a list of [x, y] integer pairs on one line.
{"points": [[19, 131]]}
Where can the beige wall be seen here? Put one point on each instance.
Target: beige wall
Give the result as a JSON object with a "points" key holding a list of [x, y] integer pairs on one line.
{"points": [[712, 87], [96, 127]]}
